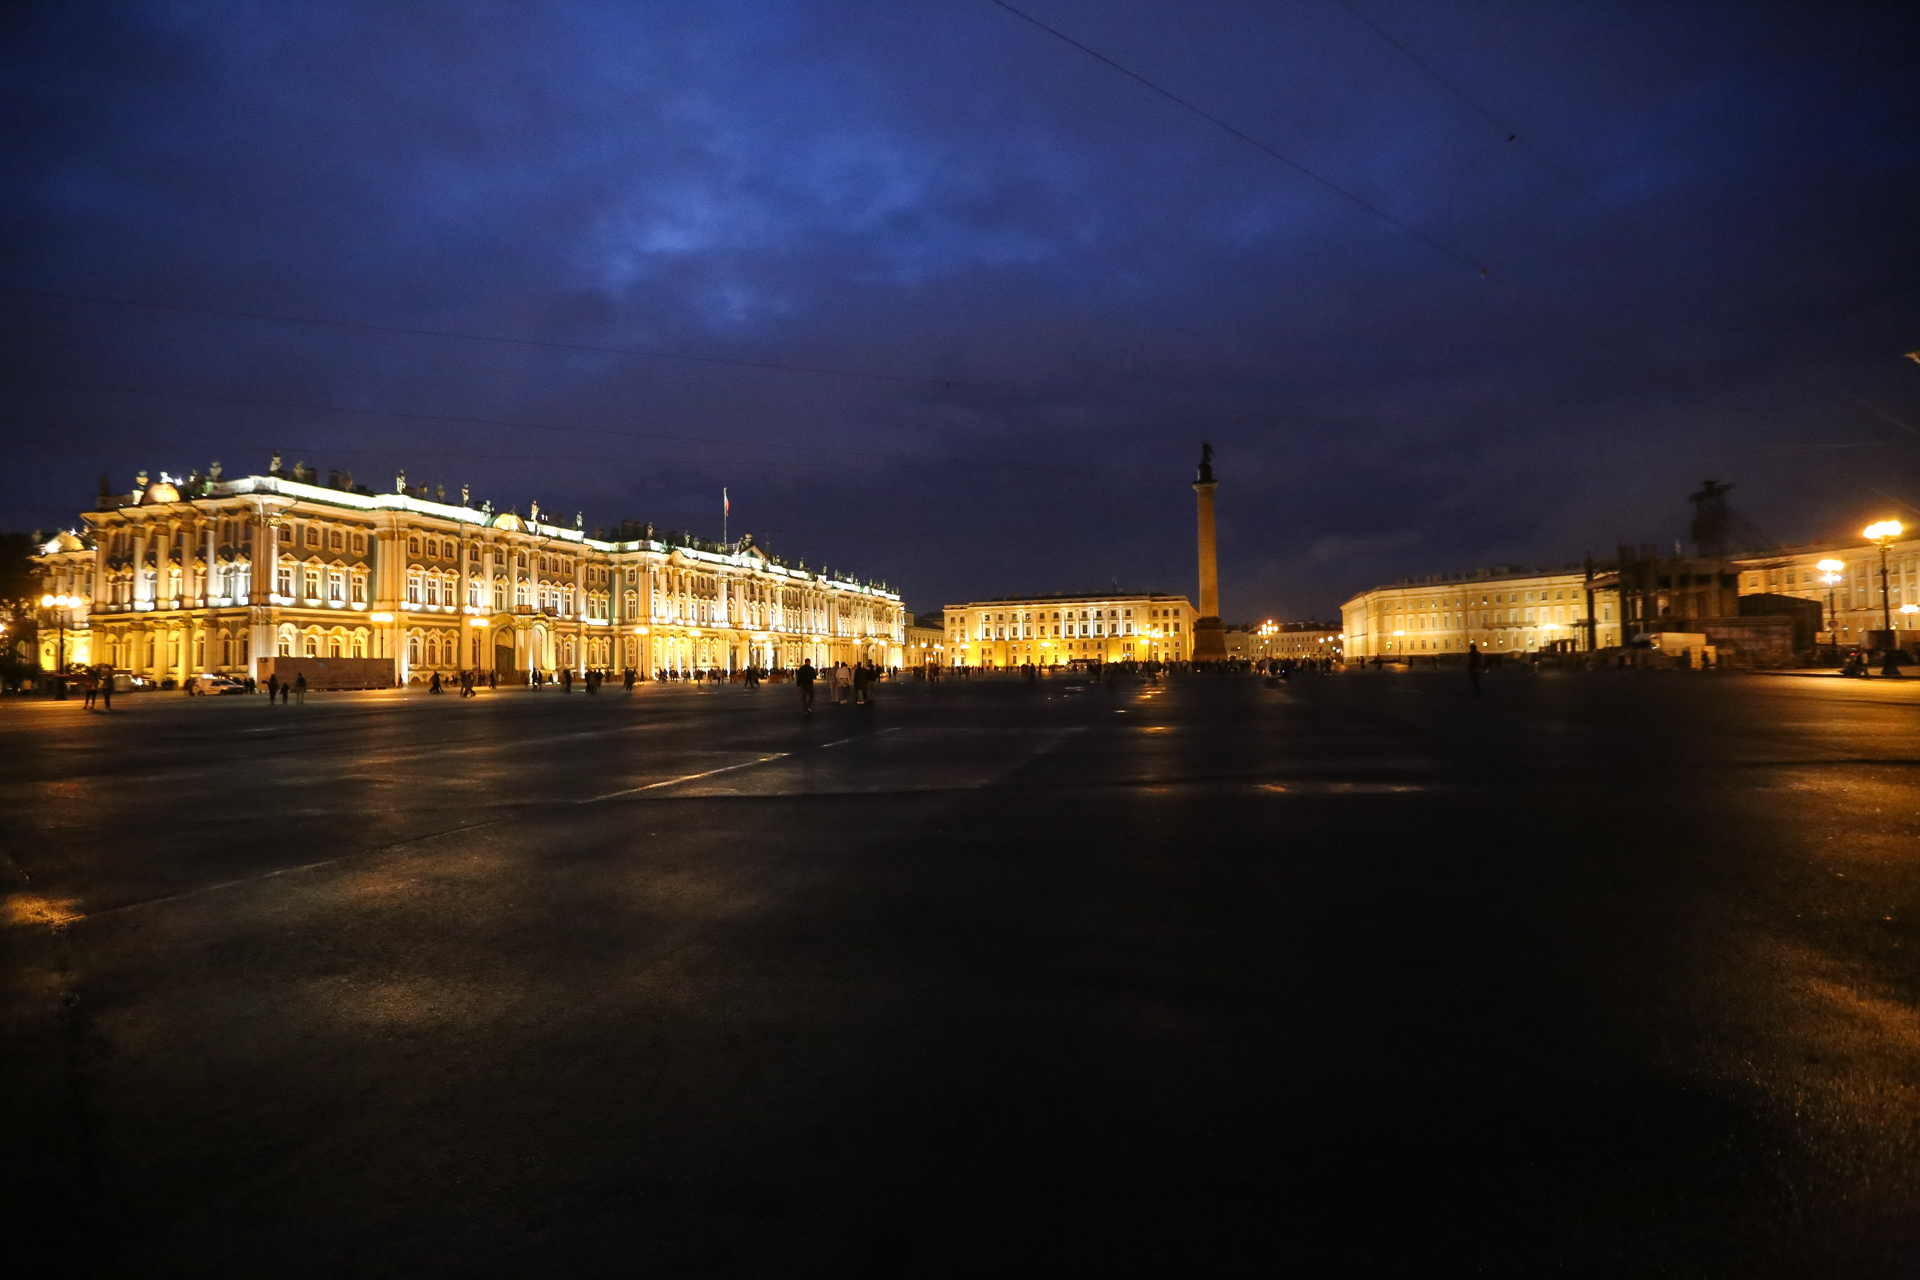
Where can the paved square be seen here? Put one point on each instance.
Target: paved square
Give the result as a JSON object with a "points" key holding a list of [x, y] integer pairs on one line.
{"points": [[1603, 973]]}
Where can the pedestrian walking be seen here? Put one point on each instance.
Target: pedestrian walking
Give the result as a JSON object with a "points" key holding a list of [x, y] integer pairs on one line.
{"points": [[91, 689], [1473, 667], [273, 687], [300, 688], [842, 681], [804, 679], [106, 692]]}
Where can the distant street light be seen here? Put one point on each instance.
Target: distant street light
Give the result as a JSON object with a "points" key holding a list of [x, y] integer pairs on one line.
{"points": [[1883, 533], [59, 605], [1830, 574]]}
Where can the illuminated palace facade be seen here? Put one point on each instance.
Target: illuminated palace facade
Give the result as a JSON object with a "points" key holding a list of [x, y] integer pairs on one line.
{"points": [[1509, 611], [177, 579], [1053, 631], [1501, 612]]}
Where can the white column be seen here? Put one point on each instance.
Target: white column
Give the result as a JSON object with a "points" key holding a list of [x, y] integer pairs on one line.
{"points": [[208, 591]]}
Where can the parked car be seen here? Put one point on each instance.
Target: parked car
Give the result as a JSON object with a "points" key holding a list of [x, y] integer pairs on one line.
{"points": [[220, 684]]}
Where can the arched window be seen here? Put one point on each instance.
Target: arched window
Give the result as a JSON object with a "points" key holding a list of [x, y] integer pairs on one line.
{"points": [[333, 646], [359, 644], [413, 546], [413, 650], [313, 647], [337, 540]]}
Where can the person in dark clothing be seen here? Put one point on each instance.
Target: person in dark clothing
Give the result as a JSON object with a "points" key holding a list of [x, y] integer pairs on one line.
{"points": [[300, 687], [273, 688], [804, 679], [1473, 666], [106, 692], [433, 686]]}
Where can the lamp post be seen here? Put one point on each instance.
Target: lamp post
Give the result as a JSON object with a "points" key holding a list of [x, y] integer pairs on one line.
{"points": [[1883, 533], [1830, 574], [59, 606]]}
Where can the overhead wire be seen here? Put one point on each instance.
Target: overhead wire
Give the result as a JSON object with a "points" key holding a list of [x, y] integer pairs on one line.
{"points": [[1451, 251], [1226, 126], [1479, 108]]}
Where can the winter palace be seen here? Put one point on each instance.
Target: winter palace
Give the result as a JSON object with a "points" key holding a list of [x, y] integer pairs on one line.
{"points": [[208, 574]]}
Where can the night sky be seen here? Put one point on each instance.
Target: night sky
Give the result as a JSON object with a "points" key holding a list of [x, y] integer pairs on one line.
{"points": [[946, 301]]}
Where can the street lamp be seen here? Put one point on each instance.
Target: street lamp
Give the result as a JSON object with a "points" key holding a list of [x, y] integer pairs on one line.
{"points": [[59, 605], [1830, 574], [1884, 532]]}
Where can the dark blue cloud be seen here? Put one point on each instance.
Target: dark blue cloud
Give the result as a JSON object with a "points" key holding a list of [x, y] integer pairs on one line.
{"points": [[1697, 249]]}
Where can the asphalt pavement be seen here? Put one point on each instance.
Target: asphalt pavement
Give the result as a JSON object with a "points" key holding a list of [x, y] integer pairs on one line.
{"points": [[1603, 974]]}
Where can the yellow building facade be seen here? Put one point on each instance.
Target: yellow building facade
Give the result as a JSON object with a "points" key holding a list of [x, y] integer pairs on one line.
{"points": [[1499, 612], [174, 580], [1285, 641], [1547, 610], [1053, 631], [1852, 604]]}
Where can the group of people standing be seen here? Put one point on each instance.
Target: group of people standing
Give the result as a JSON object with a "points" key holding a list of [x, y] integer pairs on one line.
{"points": [[847, 682]]}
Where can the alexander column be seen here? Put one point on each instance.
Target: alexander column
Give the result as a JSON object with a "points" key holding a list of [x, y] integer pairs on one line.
{"points": [[1209, 634]]}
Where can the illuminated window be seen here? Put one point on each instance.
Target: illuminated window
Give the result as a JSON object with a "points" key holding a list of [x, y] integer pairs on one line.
{"points": [[312, 647], [312, 577]]}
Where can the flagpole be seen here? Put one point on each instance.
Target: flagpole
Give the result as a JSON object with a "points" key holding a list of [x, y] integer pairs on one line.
{"points": [[726, 508]]}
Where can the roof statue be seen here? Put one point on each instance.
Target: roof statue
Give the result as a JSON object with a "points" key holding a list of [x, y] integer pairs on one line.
{"points": [[1206, 465]]}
